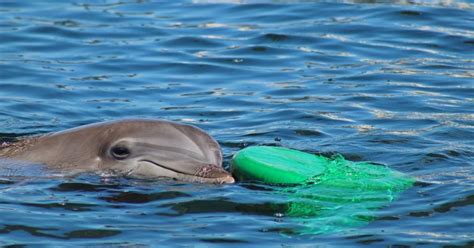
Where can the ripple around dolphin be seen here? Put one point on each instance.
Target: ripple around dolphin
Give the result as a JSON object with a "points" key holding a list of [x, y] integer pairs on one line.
{"points": [[86, 187], [135, 197]]}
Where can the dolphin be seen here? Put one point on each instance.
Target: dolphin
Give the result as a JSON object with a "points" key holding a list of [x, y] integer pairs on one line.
{"points": [[134, 148]]}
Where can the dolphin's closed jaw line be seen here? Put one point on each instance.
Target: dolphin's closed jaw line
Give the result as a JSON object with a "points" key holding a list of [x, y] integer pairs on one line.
{"points": [[209, 173]]}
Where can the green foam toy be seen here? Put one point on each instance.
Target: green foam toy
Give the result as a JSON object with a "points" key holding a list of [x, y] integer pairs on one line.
{"points": [[327, 194]]}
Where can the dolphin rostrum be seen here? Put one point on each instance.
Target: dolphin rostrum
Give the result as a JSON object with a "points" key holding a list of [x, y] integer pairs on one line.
{"points": [[132, 148]]}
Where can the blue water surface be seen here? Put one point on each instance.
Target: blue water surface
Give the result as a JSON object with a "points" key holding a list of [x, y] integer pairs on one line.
{"points": [[385, 81]]}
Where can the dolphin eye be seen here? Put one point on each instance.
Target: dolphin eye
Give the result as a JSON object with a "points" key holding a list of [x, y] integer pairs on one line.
{"points": [[120, 152]]}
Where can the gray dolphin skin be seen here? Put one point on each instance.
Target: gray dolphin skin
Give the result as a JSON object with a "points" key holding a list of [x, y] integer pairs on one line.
{"points": [[132, 148]]}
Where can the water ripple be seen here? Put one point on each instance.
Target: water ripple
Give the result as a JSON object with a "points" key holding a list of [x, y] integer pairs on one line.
{"points": [[385, 81]]}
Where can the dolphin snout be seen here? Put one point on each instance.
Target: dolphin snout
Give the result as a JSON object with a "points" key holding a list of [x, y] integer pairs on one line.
{"points": [[215, 172], [228, 179]]}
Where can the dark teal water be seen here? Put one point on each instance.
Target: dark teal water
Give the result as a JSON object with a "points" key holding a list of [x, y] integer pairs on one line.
{"points": [[385, 81]]}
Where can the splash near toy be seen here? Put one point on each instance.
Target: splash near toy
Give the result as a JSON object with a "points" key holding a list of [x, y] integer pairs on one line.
{"points": [[334, 193]]}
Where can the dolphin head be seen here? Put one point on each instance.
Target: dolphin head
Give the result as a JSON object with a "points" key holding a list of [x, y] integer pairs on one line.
{"points": [[133, 148], [152, 149]]}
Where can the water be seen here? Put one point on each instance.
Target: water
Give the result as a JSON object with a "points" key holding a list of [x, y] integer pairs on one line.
{"points": [[389, 82]]}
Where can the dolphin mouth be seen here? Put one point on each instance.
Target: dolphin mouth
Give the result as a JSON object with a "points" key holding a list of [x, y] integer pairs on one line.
{"points": [[207, 174]]}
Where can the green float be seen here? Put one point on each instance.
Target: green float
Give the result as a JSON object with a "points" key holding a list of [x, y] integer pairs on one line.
{"points": [[321, 194]]}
